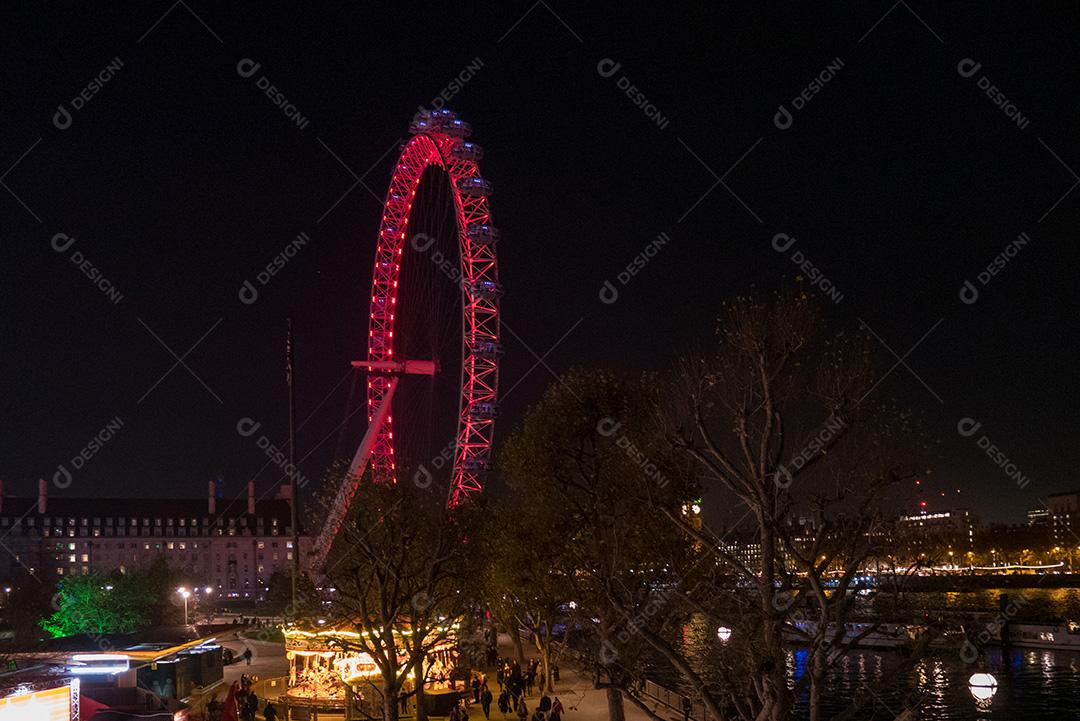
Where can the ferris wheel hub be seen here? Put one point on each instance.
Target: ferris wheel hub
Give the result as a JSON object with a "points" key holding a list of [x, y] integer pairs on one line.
{"points": [[409, 367]]}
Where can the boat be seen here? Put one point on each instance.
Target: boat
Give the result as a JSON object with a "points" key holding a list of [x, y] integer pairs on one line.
{"points": [[1040, 635], [856, 635]]}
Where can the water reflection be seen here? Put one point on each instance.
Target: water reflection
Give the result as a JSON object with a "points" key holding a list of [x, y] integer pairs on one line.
{"points": [[1029, 681], [941, 685]]}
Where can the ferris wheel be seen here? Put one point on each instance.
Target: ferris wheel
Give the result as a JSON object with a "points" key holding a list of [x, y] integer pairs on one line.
{"points": [[436, 194]]}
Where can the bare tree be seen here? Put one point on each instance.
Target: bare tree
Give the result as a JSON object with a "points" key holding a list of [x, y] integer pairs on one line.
{"points": [[783, 420]]}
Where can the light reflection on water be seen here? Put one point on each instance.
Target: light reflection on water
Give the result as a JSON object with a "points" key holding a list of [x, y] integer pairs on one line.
{"points": [[1029, 680]]}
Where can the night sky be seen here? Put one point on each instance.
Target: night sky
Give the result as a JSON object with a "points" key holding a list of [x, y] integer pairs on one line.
{"points": [[899, 178]]}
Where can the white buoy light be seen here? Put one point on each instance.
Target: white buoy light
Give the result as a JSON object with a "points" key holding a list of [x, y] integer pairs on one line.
{"points": [[982, 686]]}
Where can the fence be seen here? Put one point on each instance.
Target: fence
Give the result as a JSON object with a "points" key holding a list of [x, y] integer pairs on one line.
{"points": [[673, 700], [646, 689]]}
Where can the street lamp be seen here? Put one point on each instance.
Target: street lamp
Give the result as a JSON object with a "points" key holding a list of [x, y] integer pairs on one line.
{"points": [[184, 594]]}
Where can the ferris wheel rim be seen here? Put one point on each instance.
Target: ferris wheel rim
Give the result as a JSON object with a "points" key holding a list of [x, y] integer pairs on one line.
{"points": [[480, 291]]}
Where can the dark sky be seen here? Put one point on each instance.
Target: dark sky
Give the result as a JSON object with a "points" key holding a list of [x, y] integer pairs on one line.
{"points": [[179, 180]]}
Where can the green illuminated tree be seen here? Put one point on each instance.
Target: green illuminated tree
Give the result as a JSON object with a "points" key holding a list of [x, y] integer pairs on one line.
{"points": [[113, 603], [93, 604]]}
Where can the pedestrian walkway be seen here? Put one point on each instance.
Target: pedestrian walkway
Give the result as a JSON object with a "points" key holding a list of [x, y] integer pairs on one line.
{"points": [[574, 688]]}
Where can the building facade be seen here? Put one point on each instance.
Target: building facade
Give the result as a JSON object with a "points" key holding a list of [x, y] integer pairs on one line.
{"points": [[938, 533], [1064, 508], [232, 546]]}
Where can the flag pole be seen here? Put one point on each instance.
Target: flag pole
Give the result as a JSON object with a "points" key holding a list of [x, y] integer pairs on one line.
{"points": [[293, 494]]}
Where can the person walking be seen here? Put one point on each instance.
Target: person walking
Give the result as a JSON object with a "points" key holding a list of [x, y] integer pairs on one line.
{"points": [[522, 711], [270, 712], [504, 701], [247, 655], [476, 688], [687, 707], [485, 702], [251, 705], [556, 710]]}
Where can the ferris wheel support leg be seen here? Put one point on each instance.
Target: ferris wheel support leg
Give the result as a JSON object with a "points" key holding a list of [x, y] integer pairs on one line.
{"points": [[340, 509], [364, 451]]}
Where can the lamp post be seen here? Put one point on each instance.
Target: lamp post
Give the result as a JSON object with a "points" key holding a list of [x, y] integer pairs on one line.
{"points": [[184, 594]]}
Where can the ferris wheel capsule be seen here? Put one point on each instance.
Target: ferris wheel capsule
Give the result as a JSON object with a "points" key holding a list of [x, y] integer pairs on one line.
{"points": [[487, 349], [477, 465], [467, 151], [474, 187], [483, 233], [486, 289], [456, 128], [483, 410], [432, 120]]}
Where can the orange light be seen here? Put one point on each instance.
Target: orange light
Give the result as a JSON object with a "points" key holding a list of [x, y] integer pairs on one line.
{"points": [[51, 705]]}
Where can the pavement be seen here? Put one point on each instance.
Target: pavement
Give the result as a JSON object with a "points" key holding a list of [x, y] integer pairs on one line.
{"points": [[267, 659], [574, 688]]}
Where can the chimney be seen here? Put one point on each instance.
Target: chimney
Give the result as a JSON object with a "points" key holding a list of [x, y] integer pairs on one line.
{"points": [[284, 492], [211, 498], [251, 497], [42, 495]]}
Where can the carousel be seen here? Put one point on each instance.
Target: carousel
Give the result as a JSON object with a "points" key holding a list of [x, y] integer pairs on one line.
{"points": [[328, 673]]}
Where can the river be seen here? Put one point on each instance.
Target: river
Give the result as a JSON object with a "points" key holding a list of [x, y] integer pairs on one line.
{"points": [[1029, 681]]}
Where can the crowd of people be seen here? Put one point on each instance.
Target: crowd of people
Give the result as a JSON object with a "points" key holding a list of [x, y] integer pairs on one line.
{"points": [[515, 683], [247, 703]]}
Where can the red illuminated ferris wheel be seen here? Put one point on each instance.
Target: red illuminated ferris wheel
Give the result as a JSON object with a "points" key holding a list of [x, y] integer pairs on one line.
{"points": [[439, 140], [437, 161]]}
